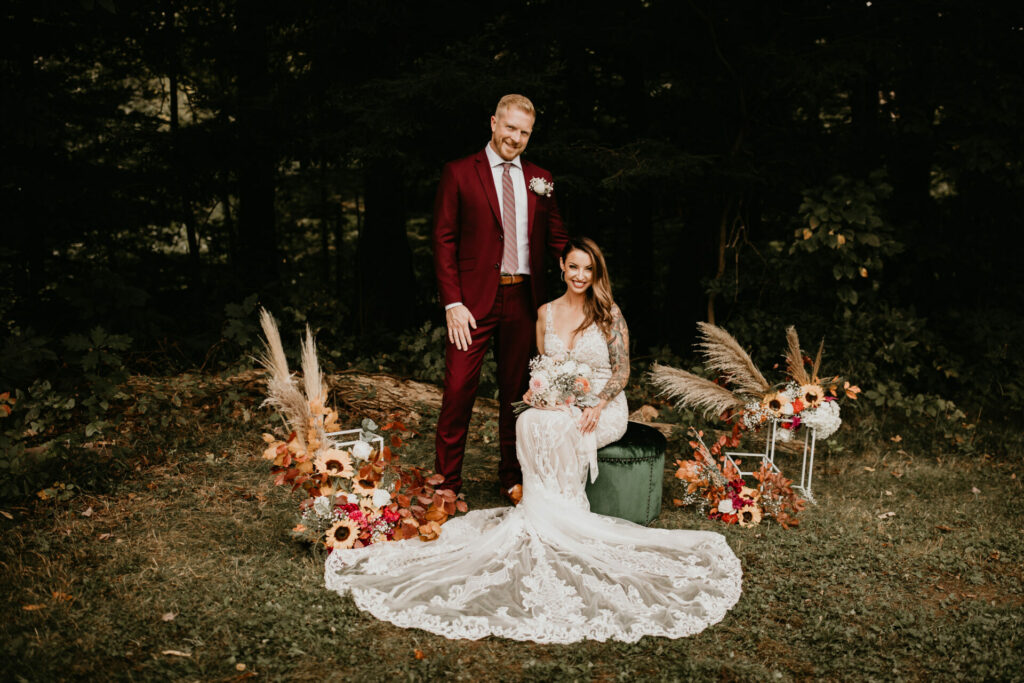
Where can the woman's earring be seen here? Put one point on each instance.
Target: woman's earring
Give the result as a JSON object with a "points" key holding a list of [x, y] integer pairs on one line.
{"points": [[561, 275]]}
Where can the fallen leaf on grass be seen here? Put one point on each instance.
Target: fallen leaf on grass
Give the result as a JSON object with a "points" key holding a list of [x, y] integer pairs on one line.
{"points": [[176, 653], [239, 667], [87, 512], [888, 492], [105, 537], [168, 616], [62, 597], [943, 527], [8, 515], [418, 653], [886, 515], [975, 490], [869, 469], [33, 608]]}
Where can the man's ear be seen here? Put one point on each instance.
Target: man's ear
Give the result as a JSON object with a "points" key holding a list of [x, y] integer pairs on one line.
{"points": [[494, 123]]}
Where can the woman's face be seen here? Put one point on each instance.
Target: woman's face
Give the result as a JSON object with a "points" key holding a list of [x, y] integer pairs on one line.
{"points": [[579, 271]]}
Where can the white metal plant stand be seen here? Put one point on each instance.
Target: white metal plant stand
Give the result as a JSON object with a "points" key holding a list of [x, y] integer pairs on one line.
{"points": [[377, 439], [768, 456]]}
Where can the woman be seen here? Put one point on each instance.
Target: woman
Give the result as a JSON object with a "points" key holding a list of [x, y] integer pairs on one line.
{"points": [[549, 570]]}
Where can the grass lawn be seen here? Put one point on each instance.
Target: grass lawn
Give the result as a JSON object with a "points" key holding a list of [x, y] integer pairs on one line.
{"points": [[184, 570]]}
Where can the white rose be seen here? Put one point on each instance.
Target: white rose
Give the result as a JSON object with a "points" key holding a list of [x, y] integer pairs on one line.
{"points": [[347, 498], [787, 409], [322, 506], [725, 506], [381, 498], [361, 450], [569, 367]]}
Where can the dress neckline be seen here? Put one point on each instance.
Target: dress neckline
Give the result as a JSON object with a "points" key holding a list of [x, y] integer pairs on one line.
{"points": [[551, 328]]}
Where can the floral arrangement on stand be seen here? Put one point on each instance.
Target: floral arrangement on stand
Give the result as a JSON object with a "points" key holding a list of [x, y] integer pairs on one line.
{"points": [[745, 401], [357, 493], [721, 494], [558, 382]]}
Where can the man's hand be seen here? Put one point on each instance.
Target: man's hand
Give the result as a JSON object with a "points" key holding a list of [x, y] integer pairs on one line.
{"points": [[459, 321]]}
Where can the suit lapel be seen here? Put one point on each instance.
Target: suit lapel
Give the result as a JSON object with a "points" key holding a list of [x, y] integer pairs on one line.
{"points": [[531, 201], [483, 171]]}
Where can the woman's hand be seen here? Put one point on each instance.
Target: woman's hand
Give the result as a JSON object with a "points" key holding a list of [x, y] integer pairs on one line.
{"points": [[591, 416]]}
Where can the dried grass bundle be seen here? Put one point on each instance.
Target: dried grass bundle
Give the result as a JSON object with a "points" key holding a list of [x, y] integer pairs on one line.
{"points": [[795, 357], [817, 362], [725, 355], [282, 392], [691, 390], [312, 377]]}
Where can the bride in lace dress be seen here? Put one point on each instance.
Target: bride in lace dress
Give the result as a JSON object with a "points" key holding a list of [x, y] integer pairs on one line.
{"points": [[549, 570]]}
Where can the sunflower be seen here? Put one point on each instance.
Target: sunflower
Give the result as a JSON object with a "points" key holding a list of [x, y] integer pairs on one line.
{"points": [[342, 535], [812, 395], [750, 494], [363, 487], [775, 402], [749, 515], [335, 463]]}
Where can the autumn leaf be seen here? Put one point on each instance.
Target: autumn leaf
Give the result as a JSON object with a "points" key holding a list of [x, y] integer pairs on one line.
{"points": [[33, 608], [403, 500], [461, 506], [62, 597], [435, 479], [418, 654]]}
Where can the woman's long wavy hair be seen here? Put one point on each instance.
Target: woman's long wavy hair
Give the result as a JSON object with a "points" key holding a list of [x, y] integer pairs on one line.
{"points": [[598, 302]]}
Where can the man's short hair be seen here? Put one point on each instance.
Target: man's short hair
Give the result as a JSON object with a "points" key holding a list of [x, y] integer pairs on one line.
{"points": [[518, 101]]}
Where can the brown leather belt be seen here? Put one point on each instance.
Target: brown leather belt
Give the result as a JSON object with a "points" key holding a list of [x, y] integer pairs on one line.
{"points": [[506, 279]]}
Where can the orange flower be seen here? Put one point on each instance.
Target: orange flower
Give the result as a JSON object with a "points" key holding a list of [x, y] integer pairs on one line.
{"points": [[342, 535], [335, 463], [749, 515]]}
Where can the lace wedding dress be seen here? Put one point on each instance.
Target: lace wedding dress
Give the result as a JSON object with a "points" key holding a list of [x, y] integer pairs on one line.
{"points": [[548, 570]]}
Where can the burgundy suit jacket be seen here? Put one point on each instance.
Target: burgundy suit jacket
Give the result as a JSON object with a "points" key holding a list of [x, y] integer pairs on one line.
{"points": [[467, 234]]}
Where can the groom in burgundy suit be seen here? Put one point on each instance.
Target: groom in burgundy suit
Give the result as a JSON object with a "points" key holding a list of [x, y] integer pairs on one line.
{"points": [[494, 217]]}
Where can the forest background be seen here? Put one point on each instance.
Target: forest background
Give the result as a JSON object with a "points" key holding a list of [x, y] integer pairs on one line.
{"points": [[853, 168]]}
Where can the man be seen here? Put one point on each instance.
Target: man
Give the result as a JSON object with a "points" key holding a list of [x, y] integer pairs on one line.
{"points": [[494, 217]]}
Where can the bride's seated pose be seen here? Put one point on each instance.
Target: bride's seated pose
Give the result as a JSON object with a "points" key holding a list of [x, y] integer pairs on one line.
{"points": [[549, 570]]}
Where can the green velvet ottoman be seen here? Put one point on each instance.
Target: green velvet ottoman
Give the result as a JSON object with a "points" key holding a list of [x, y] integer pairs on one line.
{"points": [[629, 476]]}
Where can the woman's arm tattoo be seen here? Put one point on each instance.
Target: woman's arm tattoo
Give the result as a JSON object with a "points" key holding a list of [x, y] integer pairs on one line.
{"points": [[618, 356]]}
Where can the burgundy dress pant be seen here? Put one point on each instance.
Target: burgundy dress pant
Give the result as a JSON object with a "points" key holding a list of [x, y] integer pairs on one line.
{"points": [[511, 323]]}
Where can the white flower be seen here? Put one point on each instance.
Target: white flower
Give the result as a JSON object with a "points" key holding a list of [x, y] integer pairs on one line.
{"points": [[541, 186], [381, 498], [347, 498], [787, 409], [782, 434], [569, 367], [824, 419], [725, 506], [322, 506], [361, 450]]}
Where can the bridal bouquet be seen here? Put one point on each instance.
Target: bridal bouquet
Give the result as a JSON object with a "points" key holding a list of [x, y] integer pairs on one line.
{"points": [[558, 382]]}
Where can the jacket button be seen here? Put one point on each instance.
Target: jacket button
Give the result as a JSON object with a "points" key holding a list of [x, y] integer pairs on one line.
{"points": [[497, 265]]}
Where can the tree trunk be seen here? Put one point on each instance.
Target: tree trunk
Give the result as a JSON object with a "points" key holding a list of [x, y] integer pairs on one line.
{"points": [[387, 286], [255, 158]]}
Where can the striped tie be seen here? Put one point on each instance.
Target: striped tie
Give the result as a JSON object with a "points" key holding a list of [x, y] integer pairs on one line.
{"points": [[510, 257]]}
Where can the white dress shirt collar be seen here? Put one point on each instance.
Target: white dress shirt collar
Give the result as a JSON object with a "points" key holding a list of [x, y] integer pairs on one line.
{"points": [[494, 160]]}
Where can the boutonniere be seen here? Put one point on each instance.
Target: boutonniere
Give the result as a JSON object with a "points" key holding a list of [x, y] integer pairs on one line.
{"points": [[542, 187]]}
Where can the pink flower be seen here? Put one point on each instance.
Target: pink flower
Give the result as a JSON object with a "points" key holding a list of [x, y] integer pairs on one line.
{"points": [[538, 385], [570, 399], [582, 385]]}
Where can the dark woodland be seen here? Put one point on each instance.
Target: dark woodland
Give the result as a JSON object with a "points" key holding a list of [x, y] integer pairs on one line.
{"points": [[854, 168]]}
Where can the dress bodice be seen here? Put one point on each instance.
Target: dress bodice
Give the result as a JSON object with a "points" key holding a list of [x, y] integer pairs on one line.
{"points": [[590, 347]]}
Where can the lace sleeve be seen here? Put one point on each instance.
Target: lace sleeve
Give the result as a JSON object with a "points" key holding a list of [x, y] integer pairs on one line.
{"points": [[618, 356]]}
